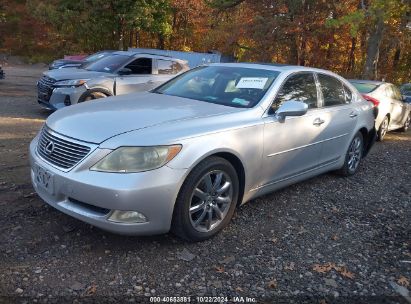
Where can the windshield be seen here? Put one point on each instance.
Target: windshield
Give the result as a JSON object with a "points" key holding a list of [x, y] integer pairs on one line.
{"points": [[95, 57], [406, 89], [364, 87], [230, 86], [108, 64]]}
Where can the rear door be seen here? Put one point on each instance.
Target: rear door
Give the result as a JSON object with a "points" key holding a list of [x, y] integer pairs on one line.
{"points": [[339, 118], [165, 70], [399, 111], [140, 79]]}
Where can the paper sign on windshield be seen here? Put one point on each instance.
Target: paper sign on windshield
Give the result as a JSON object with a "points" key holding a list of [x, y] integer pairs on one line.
{"points": [[251, 83]]}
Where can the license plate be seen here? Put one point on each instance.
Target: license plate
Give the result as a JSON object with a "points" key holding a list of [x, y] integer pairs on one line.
{"points": [[44, 179]]}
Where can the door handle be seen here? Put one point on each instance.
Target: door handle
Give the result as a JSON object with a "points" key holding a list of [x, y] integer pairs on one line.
{"points": [[353, 114], [318, 122]]}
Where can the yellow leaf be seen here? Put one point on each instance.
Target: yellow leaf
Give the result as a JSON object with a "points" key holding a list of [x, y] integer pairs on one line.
{"points": [[272, 284], [403, 281]]}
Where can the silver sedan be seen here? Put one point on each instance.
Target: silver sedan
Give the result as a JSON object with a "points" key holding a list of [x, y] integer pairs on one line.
{"points": [[183, 156]]}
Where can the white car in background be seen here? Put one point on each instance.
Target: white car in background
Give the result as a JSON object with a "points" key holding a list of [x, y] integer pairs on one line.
{"points": [[393, 112]]}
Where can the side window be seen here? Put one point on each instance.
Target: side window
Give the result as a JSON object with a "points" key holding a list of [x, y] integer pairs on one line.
{"points": [[299, 87], [348, 94], [332, 89], [389, 92], [168, 67], [140, 66], [397, 93]]}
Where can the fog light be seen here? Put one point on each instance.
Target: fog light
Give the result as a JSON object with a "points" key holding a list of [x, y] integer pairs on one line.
{"points": [[67, 101], [129, 217]]}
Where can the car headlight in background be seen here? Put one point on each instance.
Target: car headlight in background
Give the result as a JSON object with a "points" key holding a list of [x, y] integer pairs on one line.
{"points": [[70, 83], [136, 159]]}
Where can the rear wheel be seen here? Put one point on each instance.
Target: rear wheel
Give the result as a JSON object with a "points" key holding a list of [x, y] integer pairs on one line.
{"points": [[353, 156], [407, 123], [207, 200], [383, 129]]}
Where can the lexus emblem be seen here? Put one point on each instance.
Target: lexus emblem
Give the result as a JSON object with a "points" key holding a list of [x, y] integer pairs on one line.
{"points": [[49, 148]]}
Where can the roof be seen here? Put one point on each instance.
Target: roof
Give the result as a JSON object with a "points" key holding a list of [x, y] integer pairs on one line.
{"points": [[131, 54], [274, 67], [376, 82]]}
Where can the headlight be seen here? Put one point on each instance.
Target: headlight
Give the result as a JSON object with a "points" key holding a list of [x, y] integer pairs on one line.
{"points": [[70, 83], [136, 159]]}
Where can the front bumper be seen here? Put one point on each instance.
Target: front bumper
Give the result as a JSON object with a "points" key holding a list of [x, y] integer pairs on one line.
{"points": [[92, 196], [61, 97]]}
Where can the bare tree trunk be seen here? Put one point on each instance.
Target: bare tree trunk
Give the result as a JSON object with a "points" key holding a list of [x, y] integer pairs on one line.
{"points": [[373, 47], [351, 57]]}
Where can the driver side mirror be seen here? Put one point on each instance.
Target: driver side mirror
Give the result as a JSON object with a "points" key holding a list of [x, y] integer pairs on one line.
{"points": [[125, 71], [291, 108]]}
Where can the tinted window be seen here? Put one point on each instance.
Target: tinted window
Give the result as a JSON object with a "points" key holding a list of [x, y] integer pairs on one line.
{"points": [[95, 57], [140, 66], [300, 87], [108, 64], [332, 89], [168, 67], [230, 86], [364, 88]]}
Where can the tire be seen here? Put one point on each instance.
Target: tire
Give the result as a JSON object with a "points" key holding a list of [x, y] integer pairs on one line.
{"points": [[407, 124], [91, 95], [382, 130], [199, 194], [354, 154]]}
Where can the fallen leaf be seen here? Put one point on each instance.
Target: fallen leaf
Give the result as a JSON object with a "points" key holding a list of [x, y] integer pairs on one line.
{"points": [[219, 269], [403, 281], [345, 273], [290, 266], [239, 289], [327, 267], [323, 301], [91, 290], [272, 284], [323, 268], [334, 237], [274, 240]]}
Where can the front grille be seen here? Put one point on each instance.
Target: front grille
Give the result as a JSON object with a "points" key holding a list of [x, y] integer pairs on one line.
{"points": [[45, 88], [60, 152]]}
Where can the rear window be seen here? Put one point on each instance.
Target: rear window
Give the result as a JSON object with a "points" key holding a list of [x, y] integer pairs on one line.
{"points": [[364, 88]]}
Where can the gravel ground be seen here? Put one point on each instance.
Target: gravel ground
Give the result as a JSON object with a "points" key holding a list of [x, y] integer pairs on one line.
{"points": [[326, 240]]}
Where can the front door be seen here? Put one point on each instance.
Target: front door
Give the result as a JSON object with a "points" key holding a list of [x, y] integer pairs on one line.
{"points": [[291, 146]]}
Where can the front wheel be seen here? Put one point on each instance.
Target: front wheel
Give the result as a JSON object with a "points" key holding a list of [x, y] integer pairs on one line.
{"points": [[353, 156], [207, 200], [91, 95]]}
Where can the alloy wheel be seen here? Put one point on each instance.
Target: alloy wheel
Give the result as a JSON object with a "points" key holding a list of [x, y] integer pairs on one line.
{"points": [[384, 128], [210, 201], [354, 154]]}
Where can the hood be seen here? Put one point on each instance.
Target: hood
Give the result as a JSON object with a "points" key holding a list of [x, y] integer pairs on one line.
{"points": [[60, 62], [74, 73], [100, 120]]}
